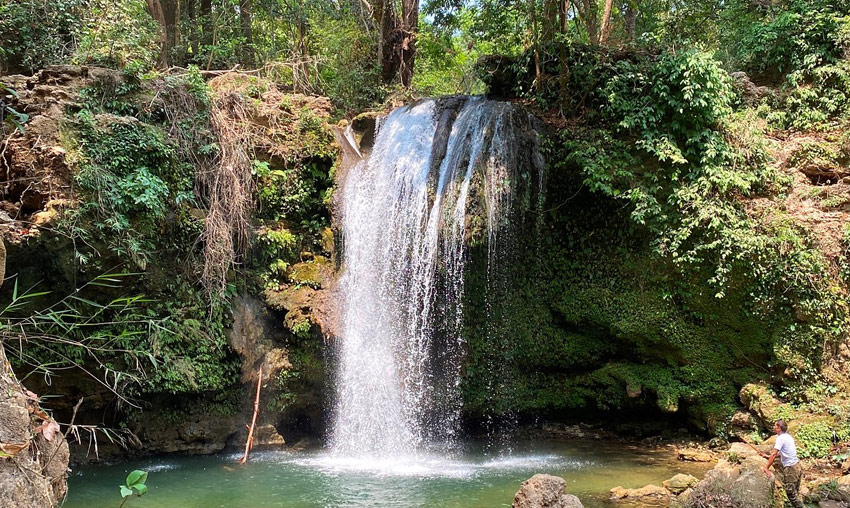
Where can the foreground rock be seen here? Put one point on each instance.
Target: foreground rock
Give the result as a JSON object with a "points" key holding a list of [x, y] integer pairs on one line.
{"points": [[731, 485], [545, 491], [32, 470], [830, 492]]}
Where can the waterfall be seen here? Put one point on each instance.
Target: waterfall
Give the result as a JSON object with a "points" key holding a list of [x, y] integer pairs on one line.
{"points": [[442, 174]]}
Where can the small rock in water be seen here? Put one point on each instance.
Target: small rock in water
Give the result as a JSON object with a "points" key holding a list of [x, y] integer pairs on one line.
{"points": [[649, 491], [680, 483], [545, 491], [695, 455]]}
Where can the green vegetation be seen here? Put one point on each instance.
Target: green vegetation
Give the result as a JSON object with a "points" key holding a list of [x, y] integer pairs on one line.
{"points": [[706, 291], [135, 484], [681, 256]]}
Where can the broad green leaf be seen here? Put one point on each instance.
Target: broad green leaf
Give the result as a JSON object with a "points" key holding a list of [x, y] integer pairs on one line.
{"points": [[136, 477], [125, 491], [141, 489]]}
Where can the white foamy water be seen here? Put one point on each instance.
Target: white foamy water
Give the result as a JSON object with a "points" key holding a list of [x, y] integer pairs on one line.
{"points": [[405, 232], [426, 465]]}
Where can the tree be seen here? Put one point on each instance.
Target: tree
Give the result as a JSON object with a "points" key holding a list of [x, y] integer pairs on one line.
{"points": [[606, 22], [396, 38], [167, 15]]}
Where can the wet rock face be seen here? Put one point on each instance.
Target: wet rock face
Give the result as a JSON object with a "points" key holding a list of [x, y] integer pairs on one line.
{"points": [[545, 491], [34, 473], [265, 436], [251, 337], [188, 432], [282, 336]]}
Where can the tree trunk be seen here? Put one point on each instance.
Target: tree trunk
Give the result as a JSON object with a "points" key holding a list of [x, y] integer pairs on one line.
{"points": [[158, 14], [606, 22], [550, 20], [387, 21], [171, 11], [206, 22], [590, 19], [245, 23], [407, 45]]}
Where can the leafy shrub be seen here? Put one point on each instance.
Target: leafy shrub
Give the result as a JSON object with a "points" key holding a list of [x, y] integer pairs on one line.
{"points": [[669, 151], [123, 35], [123, 168], [796, 35], [134, 484], [815, 439], [276, 251], [35, 33], [349, 74], [818, 97]]}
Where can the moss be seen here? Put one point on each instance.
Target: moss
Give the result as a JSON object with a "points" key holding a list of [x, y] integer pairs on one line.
{"points": [[309, 273], [595, 320]]}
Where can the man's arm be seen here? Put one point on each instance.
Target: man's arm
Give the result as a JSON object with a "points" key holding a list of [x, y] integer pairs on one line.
{"points": [[770, 461]]}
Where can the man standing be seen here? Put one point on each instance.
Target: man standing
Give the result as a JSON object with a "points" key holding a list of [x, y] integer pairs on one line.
{"points": [[791, 471]]}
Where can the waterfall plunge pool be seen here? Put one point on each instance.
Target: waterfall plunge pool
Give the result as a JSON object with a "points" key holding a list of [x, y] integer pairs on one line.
{"points": [[317, 479]]}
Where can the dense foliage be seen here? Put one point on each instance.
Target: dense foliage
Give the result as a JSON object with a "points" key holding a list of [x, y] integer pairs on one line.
{"points": [[678, 261]]}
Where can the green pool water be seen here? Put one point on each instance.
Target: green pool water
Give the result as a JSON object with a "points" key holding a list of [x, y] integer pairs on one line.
{"points": [[313, 479]]}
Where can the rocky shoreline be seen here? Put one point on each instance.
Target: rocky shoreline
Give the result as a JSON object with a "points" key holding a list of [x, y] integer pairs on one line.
{"points": [[736, 480]]}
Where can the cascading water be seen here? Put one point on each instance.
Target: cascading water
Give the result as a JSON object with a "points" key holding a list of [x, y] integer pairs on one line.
{"points": [[442, 174]]}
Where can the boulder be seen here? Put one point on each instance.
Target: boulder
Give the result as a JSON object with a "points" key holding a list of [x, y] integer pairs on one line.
{"points": [[750, 92], [835, 492], [735, 486], [545, 491], [265, 436], [742, 425], [680, 483]]}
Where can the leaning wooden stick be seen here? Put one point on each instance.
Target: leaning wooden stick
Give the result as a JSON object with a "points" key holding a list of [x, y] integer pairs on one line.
{"points": [[249, 443], [761, 453]]}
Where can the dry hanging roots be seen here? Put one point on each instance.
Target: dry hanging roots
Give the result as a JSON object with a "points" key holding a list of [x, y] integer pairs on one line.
{"points": [[228, 188]]}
